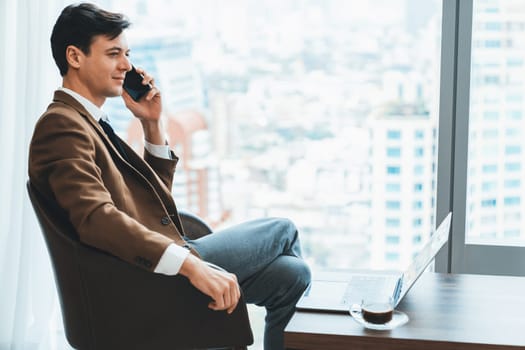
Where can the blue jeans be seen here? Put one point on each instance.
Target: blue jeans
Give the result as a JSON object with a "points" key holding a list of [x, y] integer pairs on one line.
{"points": [[265, 255]]}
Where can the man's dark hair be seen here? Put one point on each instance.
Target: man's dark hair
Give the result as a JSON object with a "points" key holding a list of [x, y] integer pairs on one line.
{"points": [[78, 24]]}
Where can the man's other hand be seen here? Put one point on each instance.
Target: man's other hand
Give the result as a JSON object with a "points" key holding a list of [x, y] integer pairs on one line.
{"points": [[220, 285]]}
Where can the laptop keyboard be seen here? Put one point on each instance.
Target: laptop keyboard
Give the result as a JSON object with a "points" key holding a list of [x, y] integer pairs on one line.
{"points": [[362, 285]]}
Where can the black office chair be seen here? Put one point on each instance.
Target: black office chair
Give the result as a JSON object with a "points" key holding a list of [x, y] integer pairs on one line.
{"points": [[110, 304]]}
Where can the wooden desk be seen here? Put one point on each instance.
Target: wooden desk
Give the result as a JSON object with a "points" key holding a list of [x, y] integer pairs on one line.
{"points": [[473, 312]]}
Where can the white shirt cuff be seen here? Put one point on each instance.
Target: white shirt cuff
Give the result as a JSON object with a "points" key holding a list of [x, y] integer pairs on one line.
{"points": [[171, 260], [159, 151]]}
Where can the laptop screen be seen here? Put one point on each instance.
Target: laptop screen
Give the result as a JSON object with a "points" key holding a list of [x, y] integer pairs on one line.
{"points": [[425, 256]]}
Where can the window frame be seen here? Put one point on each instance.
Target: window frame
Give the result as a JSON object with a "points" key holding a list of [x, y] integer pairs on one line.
{"points": [[458, 256]]}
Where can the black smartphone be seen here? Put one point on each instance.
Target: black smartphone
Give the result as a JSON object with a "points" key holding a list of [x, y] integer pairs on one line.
{"points": [[133, 84]]}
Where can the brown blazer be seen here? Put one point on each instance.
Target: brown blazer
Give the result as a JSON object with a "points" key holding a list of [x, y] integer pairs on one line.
{"points": [[124, 208]]}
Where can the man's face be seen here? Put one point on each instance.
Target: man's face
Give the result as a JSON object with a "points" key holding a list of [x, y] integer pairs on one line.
{"points": [[102, 71]]}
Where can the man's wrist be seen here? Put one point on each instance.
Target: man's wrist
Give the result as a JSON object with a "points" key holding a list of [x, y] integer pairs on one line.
{"points": [[189, 265], [153, 132]]}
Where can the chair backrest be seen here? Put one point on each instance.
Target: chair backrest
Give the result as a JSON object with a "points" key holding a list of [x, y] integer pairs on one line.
{"points": [[107, 303], [63, 244]]}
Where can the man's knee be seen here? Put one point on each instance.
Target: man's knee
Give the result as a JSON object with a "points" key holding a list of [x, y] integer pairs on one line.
{"points": [[295, 273], [287, 224], [282, 225], [284, 229], [304, 275]]}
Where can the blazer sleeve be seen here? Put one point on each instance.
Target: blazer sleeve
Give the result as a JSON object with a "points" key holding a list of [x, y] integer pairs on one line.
{"points": [[164, 168], [63, 162]]}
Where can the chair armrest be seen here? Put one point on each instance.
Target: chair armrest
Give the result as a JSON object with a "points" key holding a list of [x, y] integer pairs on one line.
{"points": [[136, 309], [194, 226]]}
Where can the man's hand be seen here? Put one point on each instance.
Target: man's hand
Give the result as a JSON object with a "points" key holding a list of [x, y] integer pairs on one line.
{"points": [[149, 107], [221, 286], [148, 110]]}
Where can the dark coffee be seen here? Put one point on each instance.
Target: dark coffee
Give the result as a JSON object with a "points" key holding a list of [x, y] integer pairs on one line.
{"points": [[377, 312]]}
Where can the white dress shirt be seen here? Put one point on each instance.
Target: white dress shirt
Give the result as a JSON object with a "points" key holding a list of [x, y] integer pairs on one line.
{"points": [[174, 255]]}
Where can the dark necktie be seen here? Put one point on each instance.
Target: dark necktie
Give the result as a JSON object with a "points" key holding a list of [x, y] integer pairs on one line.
{"points": [[113, 137]]}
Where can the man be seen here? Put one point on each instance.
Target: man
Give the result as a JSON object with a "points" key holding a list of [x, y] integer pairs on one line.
{"points": [[121, 203]]}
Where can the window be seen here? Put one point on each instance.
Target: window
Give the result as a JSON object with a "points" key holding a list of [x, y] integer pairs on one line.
{"points": [[490, 134], [393, 152], [393, 170], [393, 134], [492, 44], [500, 57], [514, 115], [391, 256], [392, 187], [488, 219], [495, 26], [487, 186], [489, 169], [393, 205], [510, 201], [513, 150], [490, 115], [511, 167], [514, 98], [392, 222], [419, 134], [512, 183], [392, 239], [298, 117], [512, 216], [486, 203], [512, 132], [514, 233]]}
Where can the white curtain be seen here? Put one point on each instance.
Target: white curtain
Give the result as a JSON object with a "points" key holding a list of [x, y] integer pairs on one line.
{"points": [[29, 310]]}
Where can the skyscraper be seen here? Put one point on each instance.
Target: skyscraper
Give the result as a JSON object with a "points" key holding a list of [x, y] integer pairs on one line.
{"points": [[402, 188], [495, 203]]}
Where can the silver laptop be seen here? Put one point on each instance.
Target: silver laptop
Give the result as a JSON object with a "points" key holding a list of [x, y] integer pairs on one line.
{"points": [[339, 290]]}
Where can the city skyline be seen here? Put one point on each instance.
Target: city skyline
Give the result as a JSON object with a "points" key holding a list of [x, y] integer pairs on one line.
{"points": [[292, 128]]}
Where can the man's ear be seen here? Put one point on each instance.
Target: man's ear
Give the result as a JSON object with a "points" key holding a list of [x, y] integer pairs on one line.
{"points": [[74, 56]]}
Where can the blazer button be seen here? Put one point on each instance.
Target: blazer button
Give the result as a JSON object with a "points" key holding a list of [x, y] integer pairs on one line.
{"points": [[165, 220]]}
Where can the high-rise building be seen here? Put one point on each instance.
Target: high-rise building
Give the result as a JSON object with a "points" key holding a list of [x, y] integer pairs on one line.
{"points": [[402, 188], [496, 171]]}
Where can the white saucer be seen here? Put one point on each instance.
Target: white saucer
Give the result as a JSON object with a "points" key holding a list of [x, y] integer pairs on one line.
{"points": [[398, 319]]}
